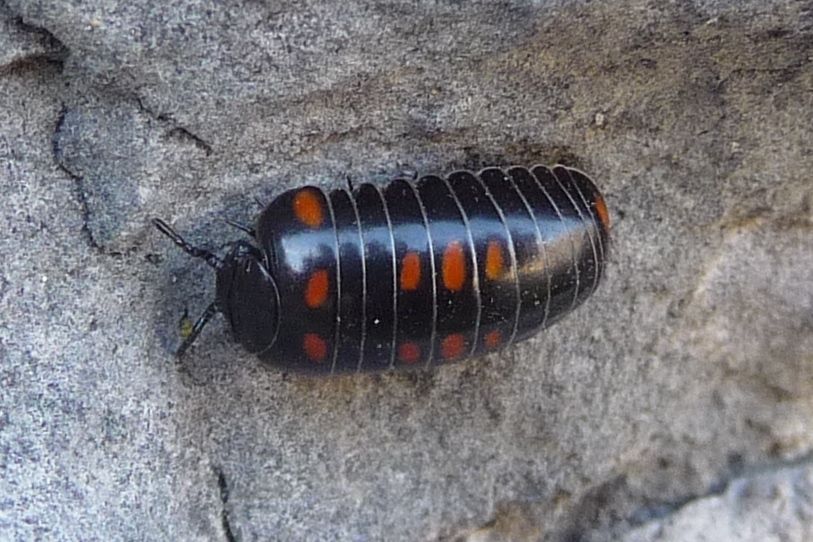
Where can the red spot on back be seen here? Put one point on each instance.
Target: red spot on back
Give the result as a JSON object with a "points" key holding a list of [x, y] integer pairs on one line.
{"points": [[452, 346], [308, 207], [315, 347], [317, 289], [410, 271], [409, 352], [494, 260], [493, 339], [454, 266]]}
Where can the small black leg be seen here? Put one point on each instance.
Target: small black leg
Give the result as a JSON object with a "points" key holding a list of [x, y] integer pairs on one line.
{"points": [[349, 183], [204, 318], [408, 173]]}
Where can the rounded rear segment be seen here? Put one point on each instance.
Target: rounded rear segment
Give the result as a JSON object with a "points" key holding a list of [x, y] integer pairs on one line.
{"points": [[586, 189], [559, 226]]}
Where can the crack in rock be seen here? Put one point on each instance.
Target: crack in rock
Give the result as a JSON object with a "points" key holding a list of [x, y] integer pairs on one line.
{"points": [[23, 44], [78, 180], [108, 152], [224, 500], [185, 135], [176, 131]]}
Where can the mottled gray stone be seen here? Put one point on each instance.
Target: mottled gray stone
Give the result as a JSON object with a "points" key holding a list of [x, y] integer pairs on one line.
{"points": [[21, 44], [777, 506], [689, 367]]}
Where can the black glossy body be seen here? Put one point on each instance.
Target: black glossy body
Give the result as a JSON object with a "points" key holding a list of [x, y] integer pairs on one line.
{"points": [[415, 274]]}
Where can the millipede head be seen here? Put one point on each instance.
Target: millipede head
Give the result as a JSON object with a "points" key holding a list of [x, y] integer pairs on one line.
{"points": [[245, 293]]}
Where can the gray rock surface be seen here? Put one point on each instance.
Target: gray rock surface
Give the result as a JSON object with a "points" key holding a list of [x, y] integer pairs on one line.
{"points": [[777, 506], [692, 365]]}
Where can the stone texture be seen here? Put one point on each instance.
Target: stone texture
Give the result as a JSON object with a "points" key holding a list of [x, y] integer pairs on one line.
{"points": [[691, 366], [768, 507]]}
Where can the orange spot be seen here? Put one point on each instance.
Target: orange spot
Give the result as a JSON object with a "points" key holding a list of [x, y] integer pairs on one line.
{"points": [[603, 214], [493, 338], [410, 271], [494, 262], [409, 352], [317, 289], [452, 346], [454, 266], [315, 347], [308, 208]]}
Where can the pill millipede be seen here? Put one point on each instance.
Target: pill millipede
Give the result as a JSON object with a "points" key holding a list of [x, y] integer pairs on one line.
{"points": [[412, 273]]}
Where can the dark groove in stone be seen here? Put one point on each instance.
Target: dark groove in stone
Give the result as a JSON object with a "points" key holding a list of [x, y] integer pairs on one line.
{"points": [[224, 500], [78, 180], [185, 135]]}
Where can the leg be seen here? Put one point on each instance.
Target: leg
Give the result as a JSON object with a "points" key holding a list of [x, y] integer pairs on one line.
{"points": [[204, 318], [195, 252], [409, 173]]}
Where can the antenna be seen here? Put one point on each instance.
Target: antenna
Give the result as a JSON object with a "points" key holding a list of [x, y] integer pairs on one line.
{"points": [[195, 252]]}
